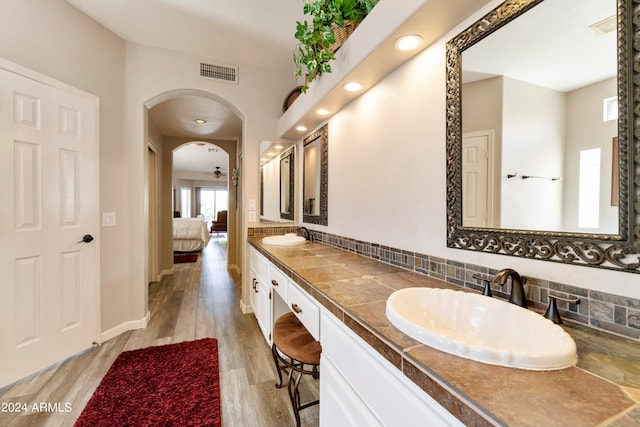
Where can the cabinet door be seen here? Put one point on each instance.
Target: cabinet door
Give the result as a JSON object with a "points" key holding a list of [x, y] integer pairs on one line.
{"points": [[263, 307], [341, 406], [253, 293]]}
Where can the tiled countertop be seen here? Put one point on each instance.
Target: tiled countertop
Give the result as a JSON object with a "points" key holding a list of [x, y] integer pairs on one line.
{"points": [[602, 390]]}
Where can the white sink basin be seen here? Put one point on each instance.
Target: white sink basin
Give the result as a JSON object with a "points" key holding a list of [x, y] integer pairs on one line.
{"points": [[288, 239], [481, 328]]}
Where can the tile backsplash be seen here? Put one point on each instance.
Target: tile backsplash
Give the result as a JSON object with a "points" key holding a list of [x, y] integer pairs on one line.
{"points": [[600, 310]]}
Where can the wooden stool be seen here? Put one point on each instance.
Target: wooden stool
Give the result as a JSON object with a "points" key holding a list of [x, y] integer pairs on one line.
{"points": [[299, 352]]}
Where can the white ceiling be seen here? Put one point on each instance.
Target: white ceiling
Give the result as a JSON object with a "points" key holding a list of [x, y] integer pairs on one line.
{"points": [[229, 32], [254, 32], [551, 46], [201, 158]]}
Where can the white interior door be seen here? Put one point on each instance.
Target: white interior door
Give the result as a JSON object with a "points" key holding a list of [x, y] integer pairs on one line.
{"points": [[49, 300], [475, 180]]}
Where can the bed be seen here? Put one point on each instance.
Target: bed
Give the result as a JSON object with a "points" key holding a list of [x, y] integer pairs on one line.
{"points": [[189, 234]]}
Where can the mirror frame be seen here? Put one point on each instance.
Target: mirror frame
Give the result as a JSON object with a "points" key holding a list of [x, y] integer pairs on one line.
{"points": [[615, 251], [322, 135], [289, 154]]}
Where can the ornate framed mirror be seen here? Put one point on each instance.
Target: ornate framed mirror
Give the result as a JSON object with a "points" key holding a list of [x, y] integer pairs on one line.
{"points": [[316, 177], [536, 167]]}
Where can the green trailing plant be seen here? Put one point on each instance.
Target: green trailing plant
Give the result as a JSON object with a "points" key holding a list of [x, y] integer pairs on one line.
{"points": [[313, 53]]}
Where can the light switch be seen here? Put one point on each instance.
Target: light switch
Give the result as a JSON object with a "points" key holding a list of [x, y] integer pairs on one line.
{"points": [[252, 204], [252, 217], [108, 219]]}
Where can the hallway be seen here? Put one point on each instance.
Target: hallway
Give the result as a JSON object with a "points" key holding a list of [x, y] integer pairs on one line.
{"points": [[199, 300]]}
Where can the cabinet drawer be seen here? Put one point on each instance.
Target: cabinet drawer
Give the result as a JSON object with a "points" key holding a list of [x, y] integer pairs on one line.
{"points": [[306, 310], [279, 281]]}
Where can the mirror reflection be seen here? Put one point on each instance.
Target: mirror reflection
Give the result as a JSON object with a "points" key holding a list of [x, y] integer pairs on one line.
{"points": [[287, 173], [273, 182], [312, 178], [315, 179], [607, 183], [539, 121]]}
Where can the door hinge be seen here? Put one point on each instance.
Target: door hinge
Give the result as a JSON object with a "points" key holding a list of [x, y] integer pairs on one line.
{"points": [[269, 294]]}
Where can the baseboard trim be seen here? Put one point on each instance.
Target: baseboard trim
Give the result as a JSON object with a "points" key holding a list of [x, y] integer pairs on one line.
{"points": [[245, 308], [124, 327], [168, 272]]}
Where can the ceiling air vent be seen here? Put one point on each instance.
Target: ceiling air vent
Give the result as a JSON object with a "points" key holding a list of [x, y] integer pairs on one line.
{"points": [[219, 72]]}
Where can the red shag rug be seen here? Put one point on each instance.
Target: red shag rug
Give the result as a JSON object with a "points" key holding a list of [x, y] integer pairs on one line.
{"points": [[180, 258], [168, 385]]}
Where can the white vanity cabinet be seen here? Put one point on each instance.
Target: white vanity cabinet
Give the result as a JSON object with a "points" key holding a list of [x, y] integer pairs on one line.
{"points": [[359, 387], [269, 289], [261, 293]]}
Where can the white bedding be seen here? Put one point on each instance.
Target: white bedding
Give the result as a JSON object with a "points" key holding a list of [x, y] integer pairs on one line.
{"points": [[189, 234]]}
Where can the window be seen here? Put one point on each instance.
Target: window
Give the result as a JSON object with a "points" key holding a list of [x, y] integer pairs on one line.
{"points": [[212, 201], [185, 202], [610, 109], [589, 189]]}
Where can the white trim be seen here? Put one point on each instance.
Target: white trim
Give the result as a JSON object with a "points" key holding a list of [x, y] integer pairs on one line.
{"points": [[245, 308], [124, 327], [41, 78]]}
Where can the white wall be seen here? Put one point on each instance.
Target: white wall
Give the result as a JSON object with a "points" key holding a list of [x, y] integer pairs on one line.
{"points": [[586, 130], [533, 139], [55, 39], [387, 180], [271, 189], [257, 99]]}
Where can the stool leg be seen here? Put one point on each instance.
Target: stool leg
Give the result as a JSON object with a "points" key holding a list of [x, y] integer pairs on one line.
{"points": [[294, 395], [274, 352]]}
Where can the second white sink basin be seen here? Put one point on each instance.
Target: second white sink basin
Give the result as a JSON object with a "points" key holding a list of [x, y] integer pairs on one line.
{"points": [[284, 239], [481, 328]]}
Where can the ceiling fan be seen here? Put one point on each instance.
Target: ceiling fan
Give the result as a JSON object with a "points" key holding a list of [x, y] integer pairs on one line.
{"points": [[217, 174]]}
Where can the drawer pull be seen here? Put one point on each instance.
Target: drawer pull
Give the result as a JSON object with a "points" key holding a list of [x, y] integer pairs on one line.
{"points": [[256, 288], [296, 308], [274, 282]]}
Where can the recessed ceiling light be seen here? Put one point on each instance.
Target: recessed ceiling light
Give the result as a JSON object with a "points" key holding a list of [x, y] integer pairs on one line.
{"points": [[301, 128], [270, 154], [322, 111], [262, 159], [352, 86], [408, 42], [200, 121], [278, 147]]}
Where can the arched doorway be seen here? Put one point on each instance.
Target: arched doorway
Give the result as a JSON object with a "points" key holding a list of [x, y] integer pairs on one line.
{"points": [[189, 117]]}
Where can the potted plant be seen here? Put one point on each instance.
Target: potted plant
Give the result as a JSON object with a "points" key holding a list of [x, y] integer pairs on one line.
{"points": [[320, 38]]}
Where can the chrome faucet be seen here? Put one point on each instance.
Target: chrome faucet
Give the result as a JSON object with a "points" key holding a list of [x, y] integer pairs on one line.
{"points": [[306, 233], [517, 289]]}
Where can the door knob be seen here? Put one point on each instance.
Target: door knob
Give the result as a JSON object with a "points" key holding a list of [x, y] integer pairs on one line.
{"points": [[87, 238]]}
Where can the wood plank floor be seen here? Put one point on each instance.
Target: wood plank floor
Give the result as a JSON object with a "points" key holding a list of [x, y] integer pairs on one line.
{"points": [[199, 300]]}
